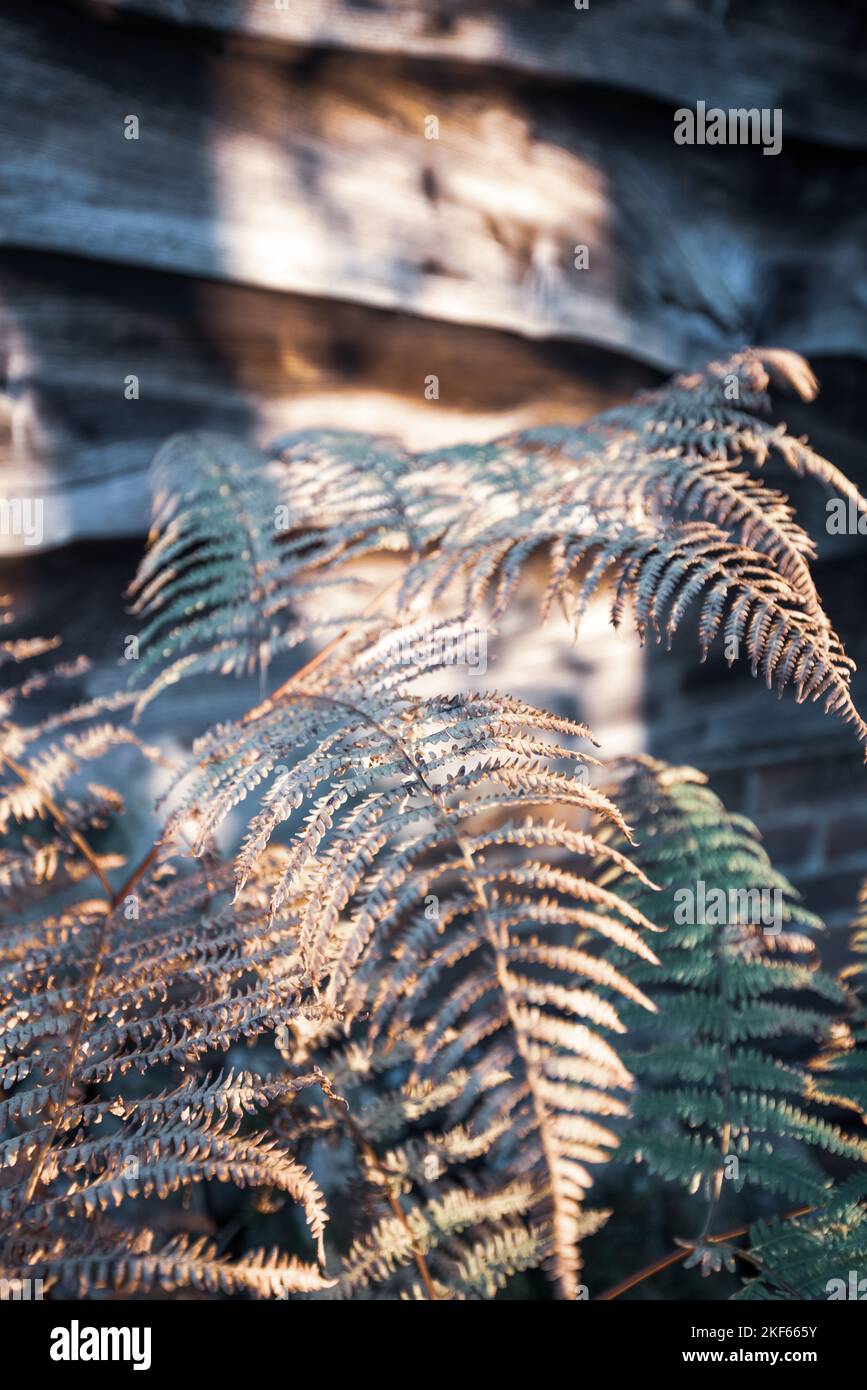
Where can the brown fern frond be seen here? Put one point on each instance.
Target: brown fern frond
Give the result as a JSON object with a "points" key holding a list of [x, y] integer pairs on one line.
{"points": [[662, 569], [221, 587], [657, 496], [373, 1259], [183, 973], [96, 1258], [432, 954], [463, 802]]}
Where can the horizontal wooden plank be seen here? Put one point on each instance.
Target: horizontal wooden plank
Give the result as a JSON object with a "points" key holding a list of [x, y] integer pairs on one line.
{"points": [[809, 60], [259, 364], [244, 360], [316, 178]]}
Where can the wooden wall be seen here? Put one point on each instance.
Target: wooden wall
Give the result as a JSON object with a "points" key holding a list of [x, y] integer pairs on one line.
{"points": [[283, 245]]}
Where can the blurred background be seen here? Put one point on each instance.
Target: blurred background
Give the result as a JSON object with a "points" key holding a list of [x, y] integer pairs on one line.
{"points": [[369, 214]]}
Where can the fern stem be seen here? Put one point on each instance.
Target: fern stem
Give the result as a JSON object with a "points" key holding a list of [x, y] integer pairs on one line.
{"points": [[504, 980], [771, 1274], [726, 1091], [675, 1256], [483, 906]]}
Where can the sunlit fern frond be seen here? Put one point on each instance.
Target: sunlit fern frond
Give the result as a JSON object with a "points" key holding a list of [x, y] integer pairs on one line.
{"points": [[656, 499], [443, 1218], [657, 490], [679, 452], [438, 1230], [713, 414], [52, 860], [24, 648], [51, 761], [435, 845], [354, 494], [98, 1258], [737, 986], [213, 588], [112, 1018], [663, 572]]}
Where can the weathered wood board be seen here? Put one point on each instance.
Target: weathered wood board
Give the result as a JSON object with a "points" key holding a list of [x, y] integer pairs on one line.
{"points": [[255, 363], [810, 60], [315, 177], [283, 247]]}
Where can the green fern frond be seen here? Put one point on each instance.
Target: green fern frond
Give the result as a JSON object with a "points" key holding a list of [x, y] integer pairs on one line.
{"points": [[238, 549], [821, 1254], [711, 1099], [218, 585]]}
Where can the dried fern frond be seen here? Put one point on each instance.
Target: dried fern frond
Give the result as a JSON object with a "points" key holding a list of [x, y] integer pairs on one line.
{"points": [[432, 1228], [662, 572], [45, 758], [442, 1222], [656, 497], [694, 413], [658, 491], [710, 415], [49, 805], [437, 923], [97, 997], [737, 979], [468, 804], [130, 1263], [354, 495]]}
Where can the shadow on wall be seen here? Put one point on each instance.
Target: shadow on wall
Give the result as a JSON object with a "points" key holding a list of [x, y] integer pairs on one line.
{"points": [[98, 349]]}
